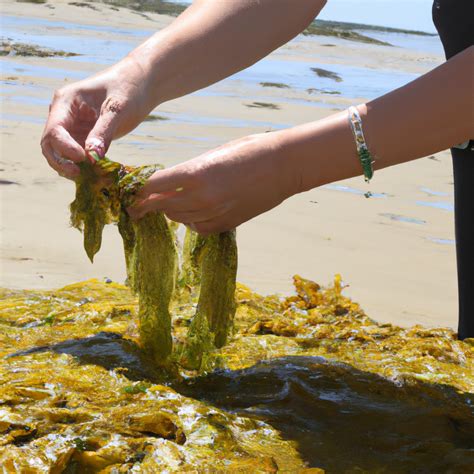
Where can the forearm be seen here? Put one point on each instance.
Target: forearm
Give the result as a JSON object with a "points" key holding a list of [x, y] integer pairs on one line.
{"points": [[428, 115], [225, 187], [214, 39]]}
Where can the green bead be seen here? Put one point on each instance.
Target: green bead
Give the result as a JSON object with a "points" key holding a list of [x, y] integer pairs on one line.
{"points": [[367, 163]]}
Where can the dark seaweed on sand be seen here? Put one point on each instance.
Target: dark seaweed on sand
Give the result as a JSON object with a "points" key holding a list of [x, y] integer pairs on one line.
{"points": [[263, 105], [22, 49], [320, 72]]}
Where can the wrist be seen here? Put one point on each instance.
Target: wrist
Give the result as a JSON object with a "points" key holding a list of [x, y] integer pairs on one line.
{"points": [[159, 68], [320, 152], [285, 148], [127, 87], [132, 73], [288, 144]]}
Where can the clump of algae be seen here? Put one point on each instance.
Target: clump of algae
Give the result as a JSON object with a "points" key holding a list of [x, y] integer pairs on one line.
{"points": [[151, 259], [76, 396], [103, 192]]}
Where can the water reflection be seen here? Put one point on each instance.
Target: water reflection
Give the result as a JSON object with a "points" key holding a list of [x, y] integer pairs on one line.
{"points": [[348, 189], [399, 218], [446, 206]]}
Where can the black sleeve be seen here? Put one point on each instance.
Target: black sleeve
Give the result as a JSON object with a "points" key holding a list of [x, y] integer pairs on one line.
{"points": [[454, 20]]}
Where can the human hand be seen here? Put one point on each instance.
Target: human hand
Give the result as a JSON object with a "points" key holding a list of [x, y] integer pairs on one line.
{"points": [[87, 115], [223, 188]]}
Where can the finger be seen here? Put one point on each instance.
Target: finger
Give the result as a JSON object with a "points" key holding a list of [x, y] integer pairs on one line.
{"points": [[172, 180], [65, 146], [213, 226], [103, 132], [197, 216], [158, 202], [63, 167]]}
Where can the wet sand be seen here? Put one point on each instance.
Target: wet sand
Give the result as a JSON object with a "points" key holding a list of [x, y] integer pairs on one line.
{"points": [[395, 250]]}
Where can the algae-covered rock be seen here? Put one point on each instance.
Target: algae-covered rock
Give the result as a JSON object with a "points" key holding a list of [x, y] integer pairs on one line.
{"points": [[103, 425], [104, 190], [299, 376]]}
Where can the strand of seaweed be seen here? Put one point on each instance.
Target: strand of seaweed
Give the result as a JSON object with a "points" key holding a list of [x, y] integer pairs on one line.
{"points": [[207, 272]]}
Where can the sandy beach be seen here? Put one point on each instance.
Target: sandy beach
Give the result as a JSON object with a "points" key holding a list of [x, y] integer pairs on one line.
{"points": [[395, 250]]}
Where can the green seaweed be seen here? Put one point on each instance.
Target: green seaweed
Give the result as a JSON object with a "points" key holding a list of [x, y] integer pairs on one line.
{"points": [[352, 31], [320, 72], [154, 118], [27, 50], [342, 31], [278, 85], [151, 260], [83, 5], [313, 90], [154, 275], [31, 1], [263, 105], [209, 264], [127, 232], [161, 7], [349, 26], [218, 274], [192, 253], [96, 202], [198, 345]]}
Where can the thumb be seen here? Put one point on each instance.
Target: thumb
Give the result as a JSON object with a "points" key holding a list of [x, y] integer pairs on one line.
{"points": [[103, 132]]}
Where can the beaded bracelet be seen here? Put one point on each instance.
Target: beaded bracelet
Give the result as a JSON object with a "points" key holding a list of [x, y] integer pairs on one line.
{"points": [[365, 157]]}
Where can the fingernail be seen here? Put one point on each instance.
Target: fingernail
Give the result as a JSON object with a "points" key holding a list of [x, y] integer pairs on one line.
{"points": [[95, 149], [93, 156]]}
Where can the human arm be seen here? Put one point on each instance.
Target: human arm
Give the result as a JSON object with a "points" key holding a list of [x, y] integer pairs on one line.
{"points": [[208, 42], [230, 185]]}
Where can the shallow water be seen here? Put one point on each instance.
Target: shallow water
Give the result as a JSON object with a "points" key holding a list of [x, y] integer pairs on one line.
{"points": [[437, 240], [430, 192], [426, 44], [446, 206], [17, 68], [399, 218], [357, 82], [21, 25], [22, 118], [222, 121], [348, 189]]}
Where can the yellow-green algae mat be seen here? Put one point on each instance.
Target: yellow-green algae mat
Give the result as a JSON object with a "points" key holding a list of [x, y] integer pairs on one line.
{"points": [[94, 379], [78, 395]]}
